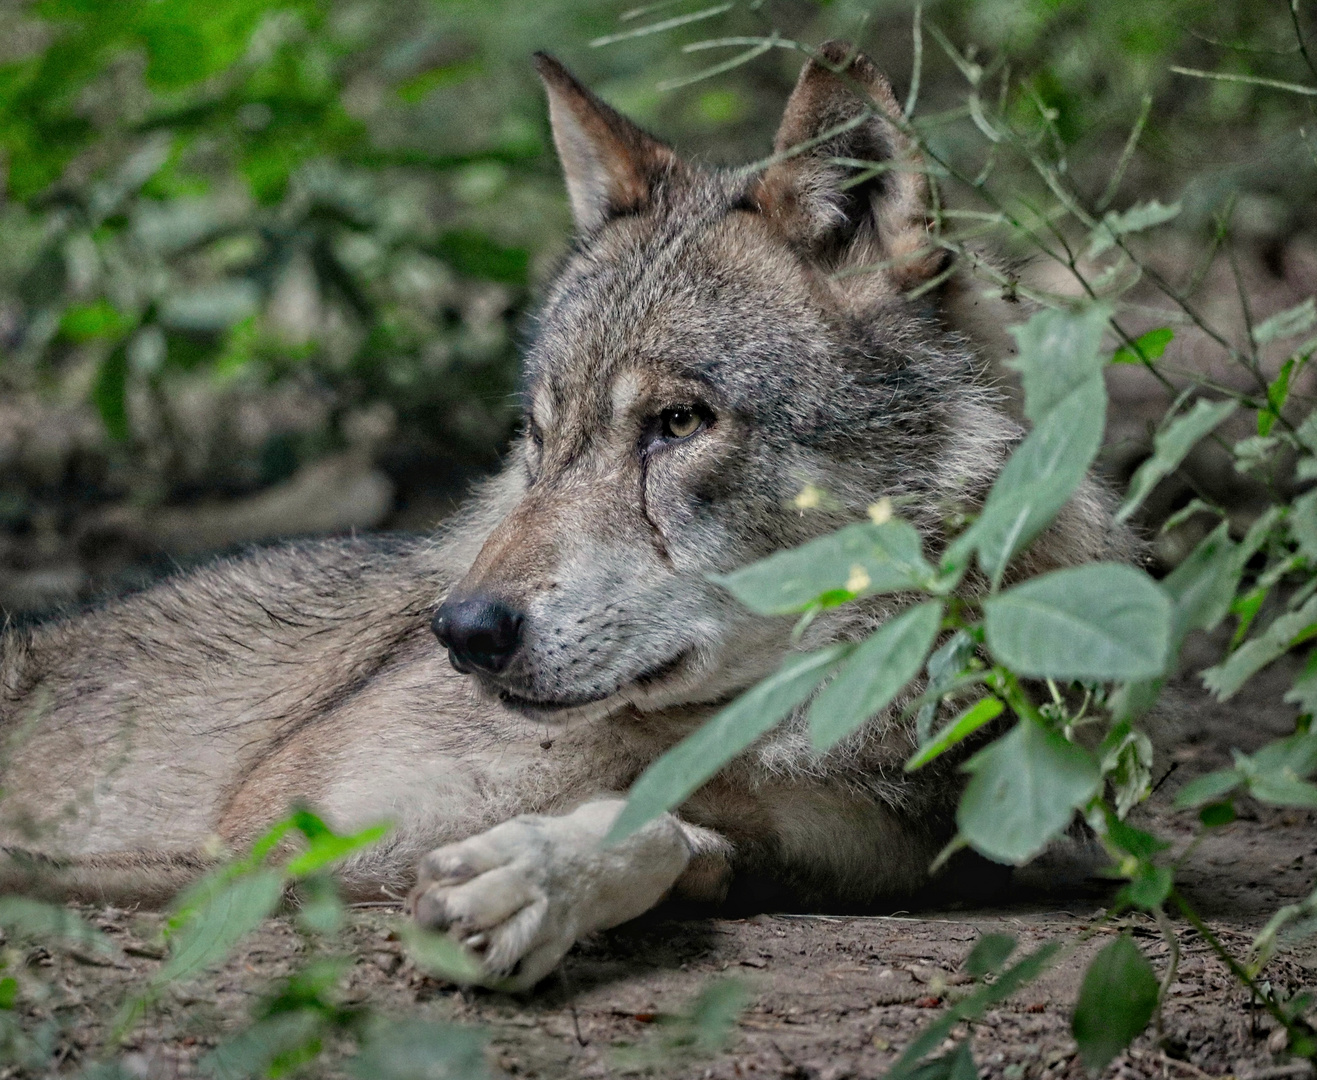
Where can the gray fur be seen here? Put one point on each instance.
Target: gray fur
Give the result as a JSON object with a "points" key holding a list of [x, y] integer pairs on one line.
{"points": [[143, 737]]}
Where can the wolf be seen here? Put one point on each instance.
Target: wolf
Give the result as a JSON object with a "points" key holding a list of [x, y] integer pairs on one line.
{"points": [[716, 340]]}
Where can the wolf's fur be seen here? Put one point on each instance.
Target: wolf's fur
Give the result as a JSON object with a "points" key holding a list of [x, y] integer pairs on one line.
{"points": [[148, 733]]}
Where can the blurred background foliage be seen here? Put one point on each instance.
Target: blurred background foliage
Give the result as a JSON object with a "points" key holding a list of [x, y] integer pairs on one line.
{"points": [[265, 264]]}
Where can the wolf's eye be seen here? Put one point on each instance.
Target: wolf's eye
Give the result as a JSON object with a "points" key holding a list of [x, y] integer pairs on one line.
{"points": [[681, 422]]}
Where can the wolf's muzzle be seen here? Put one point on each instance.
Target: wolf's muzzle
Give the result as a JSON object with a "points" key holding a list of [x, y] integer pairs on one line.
{"points": [[480, 633]]}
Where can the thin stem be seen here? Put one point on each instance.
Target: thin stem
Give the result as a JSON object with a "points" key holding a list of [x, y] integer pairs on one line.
{"points": [[1236, 969], [1172, 965], [1069, 201], [1298, 36], [717, 69], [918, 64], [1241, 46], [1126, 155], [1069, 259], [1249, 358], [1209, 257], [1166, 287], [1008, 686]]}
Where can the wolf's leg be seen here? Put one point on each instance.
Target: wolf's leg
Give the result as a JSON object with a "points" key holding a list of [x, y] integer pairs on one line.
{"points": [[522, 893]]}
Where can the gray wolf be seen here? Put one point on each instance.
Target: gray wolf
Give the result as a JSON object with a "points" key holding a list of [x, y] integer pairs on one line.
{"points": [[715, 340]]}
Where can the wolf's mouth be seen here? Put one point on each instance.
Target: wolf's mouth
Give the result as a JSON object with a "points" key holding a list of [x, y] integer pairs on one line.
{"points": [[645, 679]]}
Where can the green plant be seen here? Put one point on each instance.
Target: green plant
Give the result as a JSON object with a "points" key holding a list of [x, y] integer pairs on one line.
{"points": [[298, 1022], [1065, 664]]}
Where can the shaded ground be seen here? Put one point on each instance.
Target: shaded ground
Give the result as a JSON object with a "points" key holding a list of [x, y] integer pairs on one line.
{"points": [[829, 997]]}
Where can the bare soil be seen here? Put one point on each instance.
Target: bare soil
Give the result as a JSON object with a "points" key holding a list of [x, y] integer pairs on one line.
{"points": [[830, 997]]}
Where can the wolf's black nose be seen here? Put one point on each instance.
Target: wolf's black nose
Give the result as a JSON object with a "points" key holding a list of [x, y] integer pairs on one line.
{"points": [[480, 633]]}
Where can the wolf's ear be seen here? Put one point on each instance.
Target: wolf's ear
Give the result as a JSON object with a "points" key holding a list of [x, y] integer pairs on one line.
{"points": [[823, 200], [611, 166]]}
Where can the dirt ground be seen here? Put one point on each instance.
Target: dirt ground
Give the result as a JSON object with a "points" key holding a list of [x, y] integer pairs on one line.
{"points": [[829, 997]]}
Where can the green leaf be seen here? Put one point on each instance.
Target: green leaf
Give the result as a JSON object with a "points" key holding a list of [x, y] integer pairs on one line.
{"points": [[263, 846], [1170, 447], [989, 954], [950, 665], [972, 1007], [1285, 631], [1302, 524], [84, 322], [421, 1050], [1202, 587], [957, 1065], [1058, 353], [1149, 887], [473, 254], [1306, 432], [1024, 791], [1304, 691], [1288, 323], [1258, 534], [1255, 452], [958, 730], [309, 824], [220, 921], [109, 392], [23, 917], [859, 560], [1245, 608], [714, 1013], [1295, 755], [1214, 815], [1191, 508], [677, 774], [874, 674], [1132, 699], [1202, 590], [438, 954], [1277, 773], [1209, 788], [270, 1047], [330, 848], [315, 984], [414, 90], [210, 308], [1278, 392], [1280, 790], [1126, 760], [1036, 482], [1136, 842], [8, 992], [319, 909], [1116, 1001], [1137, 218], [1152, 345], [1099, 621]]}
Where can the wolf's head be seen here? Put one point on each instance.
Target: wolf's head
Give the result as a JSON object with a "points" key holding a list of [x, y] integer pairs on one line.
{"points": [[716, 341]]}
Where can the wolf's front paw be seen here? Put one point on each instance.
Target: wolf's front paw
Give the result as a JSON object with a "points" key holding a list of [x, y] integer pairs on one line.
{"points": [[498, 894], [520, 895]]}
